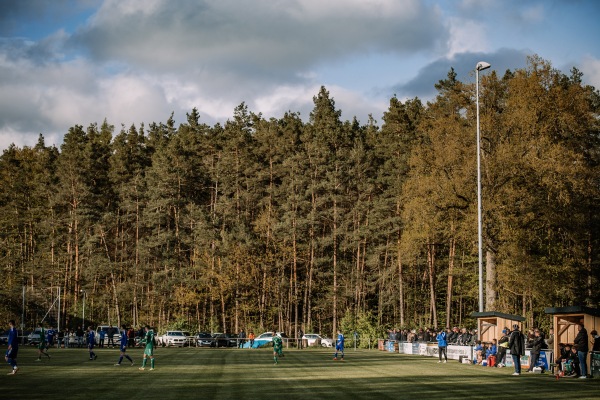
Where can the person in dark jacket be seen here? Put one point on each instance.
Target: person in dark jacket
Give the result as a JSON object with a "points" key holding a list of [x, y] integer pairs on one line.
{"points": [[581, 341], [516, 344], [453, 336], [596, 343], [536, 348]]}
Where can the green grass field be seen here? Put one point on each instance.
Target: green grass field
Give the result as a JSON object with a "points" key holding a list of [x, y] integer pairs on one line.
{"points": [[251, 374]]}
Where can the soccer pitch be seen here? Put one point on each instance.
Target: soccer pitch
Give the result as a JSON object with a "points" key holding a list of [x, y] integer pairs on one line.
{"points": [[183, 373]]}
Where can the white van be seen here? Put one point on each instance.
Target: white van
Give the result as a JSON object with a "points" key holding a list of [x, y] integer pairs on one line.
{"points": [[116, 336]]}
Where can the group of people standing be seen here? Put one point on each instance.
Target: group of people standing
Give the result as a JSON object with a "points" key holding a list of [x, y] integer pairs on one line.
{"points": [[515, 341], [573, 357]]}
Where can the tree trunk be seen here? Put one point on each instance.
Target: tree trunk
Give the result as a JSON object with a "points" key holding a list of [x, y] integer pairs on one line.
{"points": [[451, 253], [400, 281], [490, 280], [431, 264]]}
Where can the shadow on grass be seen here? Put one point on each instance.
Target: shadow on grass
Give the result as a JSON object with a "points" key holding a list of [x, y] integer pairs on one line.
{"points": [[251, 374]]}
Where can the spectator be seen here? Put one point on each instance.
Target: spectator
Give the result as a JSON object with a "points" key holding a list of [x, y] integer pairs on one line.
{"points": [[530, 337], [472, 338], [241, 339], [442, 345], [79, 335], [572, 367], [563, 356], [453, 335], [67, 338], [550, 340], [490, 353], [516, 344], [596, 341], [581, 341], [404, 335], [502, 346], [392, 334], [479, 352], [131, 337], [111, 336], [251, 336], [536, 348], [101, 336], [427, 335]]}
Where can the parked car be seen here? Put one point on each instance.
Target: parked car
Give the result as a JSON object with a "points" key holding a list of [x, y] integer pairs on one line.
{"points": [[225, 340], [34, 337], [204, 339], [173, 338], [268, 336], [4, 337], [190, 340], [314, 338]]}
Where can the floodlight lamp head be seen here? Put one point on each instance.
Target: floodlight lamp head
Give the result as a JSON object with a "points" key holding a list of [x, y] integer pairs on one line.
{"points": [[481, 65]]}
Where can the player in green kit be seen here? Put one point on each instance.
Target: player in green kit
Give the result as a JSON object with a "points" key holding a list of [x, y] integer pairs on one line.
{"points": [[42, 346], [277, 347], [149, 350]]}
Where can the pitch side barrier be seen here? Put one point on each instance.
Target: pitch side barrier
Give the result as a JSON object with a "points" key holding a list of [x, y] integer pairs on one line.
{"points": [[426, 349], [456, 352]]}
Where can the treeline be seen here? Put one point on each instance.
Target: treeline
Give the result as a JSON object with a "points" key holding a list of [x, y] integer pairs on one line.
{"points": [[280, 223]]}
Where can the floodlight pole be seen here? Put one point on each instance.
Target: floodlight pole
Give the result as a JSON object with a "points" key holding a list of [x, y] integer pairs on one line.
{"points": [[480, 67]]}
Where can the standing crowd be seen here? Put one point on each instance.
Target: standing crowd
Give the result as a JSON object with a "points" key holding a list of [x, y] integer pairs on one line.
{"points": [[571, 360]]}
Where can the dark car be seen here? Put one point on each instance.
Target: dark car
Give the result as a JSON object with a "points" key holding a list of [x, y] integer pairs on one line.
{"points": [[204, 339], [225, 340], [4, 337]]}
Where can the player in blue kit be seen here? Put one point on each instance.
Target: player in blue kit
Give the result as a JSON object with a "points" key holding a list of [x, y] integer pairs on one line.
{"points": [[50, 333], [91, 342], [124, 340], [13, 347], [339, 346]]}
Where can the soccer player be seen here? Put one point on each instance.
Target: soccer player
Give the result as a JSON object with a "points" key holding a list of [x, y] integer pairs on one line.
{"points": [[124, 340], [91, 342], [42, 345], [149, 350], [50, 338], [13, 347], [277, 346], [339, 346]]}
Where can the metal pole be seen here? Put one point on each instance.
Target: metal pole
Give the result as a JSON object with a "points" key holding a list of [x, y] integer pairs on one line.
{"points": [[479, 223]]}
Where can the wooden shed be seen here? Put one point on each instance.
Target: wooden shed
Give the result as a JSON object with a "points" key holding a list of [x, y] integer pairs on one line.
{"points": [[491, 323], [566, 319]]}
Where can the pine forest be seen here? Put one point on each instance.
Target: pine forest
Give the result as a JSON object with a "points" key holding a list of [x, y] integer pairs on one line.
{"points": [[314, 222]]}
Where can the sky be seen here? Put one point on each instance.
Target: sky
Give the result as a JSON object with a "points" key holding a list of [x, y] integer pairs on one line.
{"points": [[77, 62]]}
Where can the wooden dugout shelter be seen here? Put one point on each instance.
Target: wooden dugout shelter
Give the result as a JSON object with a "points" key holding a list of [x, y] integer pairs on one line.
{"points": [[566, 319], [491, 323]]}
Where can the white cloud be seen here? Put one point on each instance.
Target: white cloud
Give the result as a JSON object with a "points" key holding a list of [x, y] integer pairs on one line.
{"points": [[590, 67], [533, 14], [262, 38], [466, 36]]}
